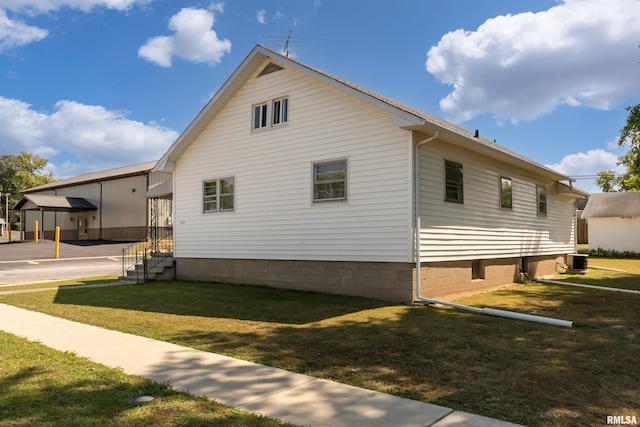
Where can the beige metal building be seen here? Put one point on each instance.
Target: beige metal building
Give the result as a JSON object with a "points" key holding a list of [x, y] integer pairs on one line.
{"points": [[116, 204]]}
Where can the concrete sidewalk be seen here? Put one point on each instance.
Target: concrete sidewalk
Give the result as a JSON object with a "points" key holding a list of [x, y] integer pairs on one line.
{"points": [[291, 397]]}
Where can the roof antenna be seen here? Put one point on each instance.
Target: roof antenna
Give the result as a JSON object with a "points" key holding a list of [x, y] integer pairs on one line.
{"points": [[286, 45]]}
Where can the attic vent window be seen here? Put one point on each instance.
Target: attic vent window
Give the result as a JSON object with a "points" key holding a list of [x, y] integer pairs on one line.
{"points": [[270, 68]]}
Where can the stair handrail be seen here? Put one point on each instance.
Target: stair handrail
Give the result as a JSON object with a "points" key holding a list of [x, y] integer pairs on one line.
{"points": [[133, 255], [159, 250]]}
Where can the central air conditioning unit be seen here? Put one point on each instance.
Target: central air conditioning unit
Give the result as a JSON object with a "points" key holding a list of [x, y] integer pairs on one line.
{"points": [[577, 263]]}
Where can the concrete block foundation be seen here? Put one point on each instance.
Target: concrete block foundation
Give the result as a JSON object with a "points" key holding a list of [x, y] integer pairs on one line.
{"points": [[387, 281]]}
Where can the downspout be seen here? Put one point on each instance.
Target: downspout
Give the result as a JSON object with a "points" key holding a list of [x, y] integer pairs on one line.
{"points": [[416, 203], [100, 215], [488, 311]]}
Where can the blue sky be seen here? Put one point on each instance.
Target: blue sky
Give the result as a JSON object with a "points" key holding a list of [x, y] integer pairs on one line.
{"points": [[96, 84]]}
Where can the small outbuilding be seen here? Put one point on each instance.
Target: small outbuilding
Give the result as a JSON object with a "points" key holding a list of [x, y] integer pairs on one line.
{"points": [[614, 221]]}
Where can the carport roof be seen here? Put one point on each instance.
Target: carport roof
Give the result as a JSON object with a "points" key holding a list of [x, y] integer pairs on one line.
{"points": [[54, 203]]}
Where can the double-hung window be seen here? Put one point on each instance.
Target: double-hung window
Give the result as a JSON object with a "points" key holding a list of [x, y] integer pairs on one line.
{"points": [[260, 116], [541, 199], [506, 192], [454, 183], [271, 113], [280, 111], [330, 181], [219, 195]]}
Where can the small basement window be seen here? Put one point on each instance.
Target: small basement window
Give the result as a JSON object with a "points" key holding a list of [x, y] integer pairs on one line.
{"points": [[477, 270]]}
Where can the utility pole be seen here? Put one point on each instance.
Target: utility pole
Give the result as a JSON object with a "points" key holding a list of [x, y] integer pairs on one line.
{"points": [[6, 213]]}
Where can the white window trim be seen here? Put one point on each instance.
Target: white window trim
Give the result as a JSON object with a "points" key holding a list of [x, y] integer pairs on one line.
{"points": [[269, 114], [344, 199], [218, 194]]}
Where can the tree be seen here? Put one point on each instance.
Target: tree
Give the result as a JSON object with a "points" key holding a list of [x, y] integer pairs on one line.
{"points": [[20, 172], [607, 181], [630, 179]]}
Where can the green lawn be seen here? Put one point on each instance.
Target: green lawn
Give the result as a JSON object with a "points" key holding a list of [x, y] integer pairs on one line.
{"points": [[62, 283], [44, 387], [528, 373]]}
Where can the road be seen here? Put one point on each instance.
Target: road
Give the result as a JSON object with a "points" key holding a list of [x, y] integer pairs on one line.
{"points": [[30, 262]]}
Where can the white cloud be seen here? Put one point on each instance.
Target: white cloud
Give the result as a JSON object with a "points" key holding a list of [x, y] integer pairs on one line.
{"points": [[97, 138], [584, 167], [589, 163], [519, 67], [44, 6], [15, 33], [194, 40], [261, 16]]}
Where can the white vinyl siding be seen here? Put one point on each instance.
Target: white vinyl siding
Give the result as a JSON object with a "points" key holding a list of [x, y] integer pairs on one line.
{"points": [[275, 217], [479, 228]]}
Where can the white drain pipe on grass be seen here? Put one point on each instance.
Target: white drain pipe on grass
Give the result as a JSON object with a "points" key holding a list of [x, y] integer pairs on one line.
{"points": [[417, 228], [502, 313], [580, 285]]}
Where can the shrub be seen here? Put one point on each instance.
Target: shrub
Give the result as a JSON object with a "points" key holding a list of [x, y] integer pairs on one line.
{"points": [[612, 253]]}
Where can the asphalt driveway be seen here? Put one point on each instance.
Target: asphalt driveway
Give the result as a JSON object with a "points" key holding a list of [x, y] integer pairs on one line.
{"points": [[44, 249], [26, 262]]}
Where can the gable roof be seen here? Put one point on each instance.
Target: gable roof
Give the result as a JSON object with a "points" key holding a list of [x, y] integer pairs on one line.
{"points": [[613, 205], [122, 172], [405, 117], [54, 203]]}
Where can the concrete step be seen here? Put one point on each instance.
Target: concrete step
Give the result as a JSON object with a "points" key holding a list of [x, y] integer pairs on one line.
{"points": [[163, 269]]}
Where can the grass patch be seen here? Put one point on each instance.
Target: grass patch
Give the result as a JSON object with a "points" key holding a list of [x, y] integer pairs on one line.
{"points": [[62, 283], [45, 387], [528, 373]]}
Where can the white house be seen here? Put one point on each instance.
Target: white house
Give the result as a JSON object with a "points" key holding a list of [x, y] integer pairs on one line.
{"points": [[614, 221], [291, 177]]}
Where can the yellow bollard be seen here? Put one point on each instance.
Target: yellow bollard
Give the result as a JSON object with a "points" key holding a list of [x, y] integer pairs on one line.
{"points": [[35, 228], [56, 253]]}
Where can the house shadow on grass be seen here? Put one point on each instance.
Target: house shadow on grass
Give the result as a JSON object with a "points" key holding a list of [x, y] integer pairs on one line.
{"points": [[203, 299], [527, 373], [523, 372]]}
